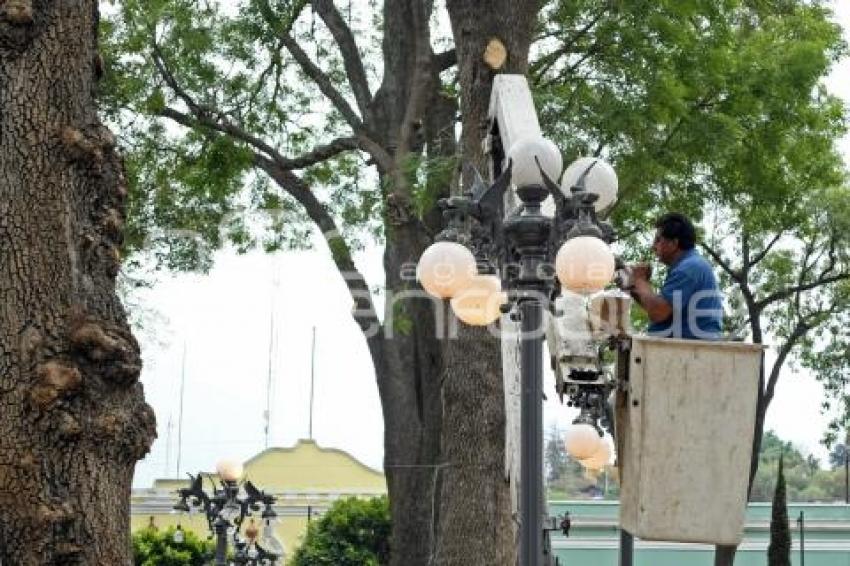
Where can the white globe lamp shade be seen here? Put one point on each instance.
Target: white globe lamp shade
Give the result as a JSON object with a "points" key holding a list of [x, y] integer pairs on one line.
{"points": [[446, 268], [600, 458], [581, 441], [479, 303], [524, 170], [585, 265], [229, 470], [600, 180]]}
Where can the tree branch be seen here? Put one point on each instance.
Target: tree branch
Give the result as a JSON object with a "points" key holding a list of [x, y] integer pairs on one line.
{"points": [[348, 49], [323, 81], [800, 329], [788, 291], [418, 77], [234, 131], [726, 266], [321, 153], [316, 155], [367, 143], [542, 65], [318, 213], [445, 60], [762, 254]]}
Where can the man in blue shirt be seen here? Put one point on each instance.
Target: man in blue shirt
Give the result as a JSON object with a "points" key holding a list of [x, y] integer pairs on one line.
{"points": [[688, 305]]}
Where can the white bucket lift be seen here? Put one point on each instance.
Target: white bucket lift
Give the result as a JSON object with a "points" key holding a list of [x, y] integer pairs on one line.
{"points": [[685, 427]]}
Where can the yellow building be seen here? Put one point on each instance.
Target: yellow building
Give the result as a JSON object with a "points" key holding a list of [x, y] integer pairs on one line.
{"points": [[305, 479]]}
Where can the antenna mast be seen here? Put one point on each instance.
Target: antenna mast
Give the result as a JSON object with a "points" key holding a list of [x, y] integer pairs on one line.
{"points": [[272, 351], [312, 380], [180, 414]]}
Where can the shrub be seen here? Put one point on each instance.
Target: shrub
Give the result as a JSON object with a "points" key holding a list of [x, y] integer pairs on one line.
{"points": [[353, 532]]}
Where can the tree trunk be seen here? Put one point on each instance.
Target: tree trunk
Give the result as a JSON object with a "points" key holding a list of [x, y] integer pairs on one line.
{"points": [[74, 421], [411, 360], [475, 508]]}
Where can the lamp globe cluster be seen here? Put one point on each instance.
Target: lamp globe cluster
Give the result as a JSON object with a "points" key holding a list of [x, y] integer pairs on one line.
{"points": [[600, 458], [584, 443], [229, 470], [596, 176], [478, 304], [584, 264], [525, 155], [581, 441], [446, 268]]}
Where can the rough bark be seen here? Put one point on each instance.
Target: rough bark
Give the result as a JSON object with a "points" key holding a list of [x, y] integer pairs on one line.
{"points": [[475, 511], [410, 363], [73, 420]]}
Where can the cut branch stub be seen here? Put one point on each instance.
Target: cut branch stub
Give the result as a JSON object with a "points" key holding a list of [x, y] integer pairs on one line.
{"points": [[495, 54]]}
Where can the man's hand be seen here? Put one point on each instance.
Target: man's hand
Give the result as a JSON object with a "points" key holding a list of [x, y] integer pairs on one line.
{"points": [[641, 271]]}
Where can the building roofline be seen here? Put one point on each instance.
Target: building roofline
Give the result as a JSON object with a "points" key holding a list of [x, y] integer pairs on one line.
{"points": [[289, 450]]}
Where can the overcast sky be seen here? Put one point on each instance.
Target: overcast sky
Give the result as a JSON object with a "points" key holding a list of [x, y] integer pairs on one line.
{"points": [[224, 320]]}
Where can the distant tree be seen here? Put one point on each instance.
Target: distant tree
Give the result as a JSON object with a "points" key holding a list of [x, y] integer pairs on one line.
{"points": [[838, 456], [353, 532], [152, 547], [779, 550], [555, 455]]}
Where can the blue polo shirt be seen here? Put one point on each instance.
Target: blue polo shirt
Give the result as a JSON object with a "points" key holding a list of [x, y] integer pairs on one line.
{"points": [[691, 289]]}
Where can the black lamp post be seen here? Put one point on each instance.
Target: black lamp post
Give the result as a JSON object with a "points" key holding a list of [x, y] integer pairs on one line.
{"points": [[522, 248], [226, 509]]}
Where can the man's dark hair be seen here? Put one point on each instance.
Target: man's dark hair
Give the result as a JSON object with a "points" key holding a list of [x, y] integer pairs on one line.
{"points": [[675, 226]]}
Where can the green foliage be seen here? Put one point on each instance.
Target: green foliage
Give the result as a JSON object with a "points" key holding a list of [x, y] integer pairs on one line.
{"points": [[353, 532], [717, 109], [152, 547], [175, 70], [838, 456], [803, 477], [779, 549]]}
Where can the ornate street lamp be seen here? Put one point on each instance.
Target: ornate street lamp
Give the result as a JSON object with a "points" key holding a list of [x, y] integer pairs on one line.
{"points": [[513, 258], [227, 508]]}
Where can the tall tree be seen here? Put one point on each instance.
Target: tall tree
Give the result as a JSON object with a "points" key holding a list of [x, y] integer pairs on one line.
{"points": [[717, 110], [704, 107], [227, 98], [74, 421], [779, 549]]}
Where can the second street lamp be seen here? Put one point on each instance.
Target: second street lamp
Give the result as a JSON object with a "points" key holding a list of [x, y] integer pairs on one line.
{"points": [[225, 510], [522, 248]]}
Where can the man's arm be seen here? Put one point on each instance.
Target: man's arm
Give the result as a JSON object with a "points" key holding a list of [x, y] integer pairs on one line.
{"points": [[656, 306]]}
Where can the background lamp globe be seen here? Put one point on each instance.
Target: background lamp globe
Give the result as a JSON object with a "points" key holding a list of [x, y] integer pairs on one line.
{"points": [[600, 458], [229, 470], [479, 303], [581, 441], [601, 180], [446, 268], [522, 155], [585, 265]]}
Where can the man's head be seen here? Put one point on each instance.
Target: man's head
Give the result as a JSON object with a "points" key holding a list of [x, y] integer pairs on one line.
{"points": [[674, 235]]}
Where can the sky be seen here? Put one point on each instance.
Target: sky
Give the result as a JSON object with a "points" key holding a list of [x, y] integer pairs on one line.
{"points": [[250, 322]]}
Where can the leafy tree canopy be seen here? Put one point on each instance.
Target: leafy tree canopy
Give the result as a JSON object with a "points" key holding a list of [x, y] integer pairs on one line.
{"points": [[153, 547], [804, 479], [353, 532]]}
